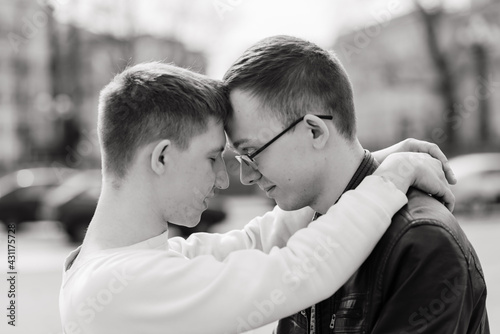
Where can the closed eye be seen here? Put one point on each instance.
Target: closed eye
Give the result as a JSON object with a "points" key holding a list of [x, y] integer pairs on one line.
{"points": [[214, 158], [248, 150]]}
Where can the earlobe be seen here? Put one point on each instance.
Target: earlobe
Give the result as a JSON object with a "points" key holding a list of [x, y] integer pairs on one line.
{"points": [[318, 129], [159, 156]]}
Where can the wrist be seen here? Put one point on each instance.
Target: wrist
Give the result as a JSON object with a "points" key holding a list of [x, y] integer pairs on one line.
{"points": [[380, 155], [400, 183], [396, 170]]}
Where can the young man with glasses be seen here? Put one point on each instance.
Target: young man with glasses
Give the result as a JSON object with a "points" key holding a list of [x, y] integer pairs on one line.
{"points": [[424, 275]]}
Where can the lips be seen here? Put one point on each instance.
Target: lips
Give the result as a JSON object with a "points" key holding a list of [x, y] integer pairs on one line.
{"points": [[269, 190], [266, 188], [207, 198], [210, 196]]}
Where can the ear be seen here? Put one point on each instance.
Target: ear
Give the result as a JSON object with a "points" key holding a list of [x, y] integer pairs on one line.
{"points": [[159, 156], [318, 129]]}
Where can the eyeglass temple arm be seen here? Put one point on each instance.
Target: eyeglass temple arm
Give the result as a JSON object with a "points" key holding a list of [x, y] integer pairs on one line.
{"points": [[251, 156]]}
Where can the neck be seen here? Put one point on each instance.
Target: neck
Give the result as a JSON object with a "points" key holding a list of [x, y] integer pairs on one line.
{"points": [[123, 217], [337, 174]]}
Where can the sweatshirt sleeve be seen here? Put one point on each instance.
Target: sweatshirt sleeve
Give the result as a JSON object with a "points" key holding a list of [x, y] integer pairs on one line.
{"points": [[165, 292], [263, 233]]}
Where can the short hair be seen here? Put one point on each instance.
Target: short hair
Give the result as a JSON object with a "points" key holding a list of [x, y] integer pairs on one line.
{"points": [[153, 101], [290, 76]]}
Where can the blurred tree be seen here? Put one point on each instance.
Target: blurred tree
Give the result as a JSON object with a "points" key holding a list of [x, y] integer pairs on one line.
{"points": [[21, 96], [66, 84], [55, 54], [431, 18], [481, 66]]}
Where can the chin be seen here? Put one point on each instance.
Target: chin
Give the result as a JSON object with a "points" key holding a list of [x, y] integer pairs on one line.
{"points": [[193, 223], [289, 205], [188, 220], [194, 219]]}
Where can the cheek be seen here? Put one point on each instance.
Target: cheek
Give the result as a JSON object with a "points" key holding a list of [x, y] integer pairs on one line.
{"points": [[187, 182], [297, 180], [202, 178], [286, 173], [277, 167]]}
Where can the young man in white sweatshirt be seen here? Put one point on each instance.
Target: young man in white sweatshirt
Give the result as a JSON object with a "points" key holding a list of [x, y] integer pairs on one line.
{"points": [[161, 135]]}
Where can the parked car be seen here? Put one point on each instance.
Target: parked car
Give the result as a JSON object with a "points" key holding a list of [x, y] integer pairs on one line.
{"points": [[74, 202], [478, 186], [22, 191]]}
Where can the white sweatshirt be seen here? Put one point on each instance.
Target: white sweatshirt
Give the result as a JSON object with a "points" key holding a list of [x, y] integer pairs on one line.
{"points": [[277, 265]]}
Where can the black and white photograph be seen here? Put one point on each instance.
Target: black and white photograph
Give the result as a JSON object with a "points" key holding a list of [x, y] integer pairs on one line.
{"points": [[250, 166]]}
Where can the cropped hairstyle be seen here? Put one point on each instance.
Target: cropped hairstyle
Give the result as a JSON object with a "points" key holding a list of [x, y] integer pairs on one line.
{"points": [[153, 101], [293, 77]]}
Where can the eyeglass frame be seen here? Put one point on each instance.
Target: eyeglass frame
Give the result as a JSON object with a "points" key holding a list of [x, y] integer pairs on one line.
{"points": [[249, 158]]}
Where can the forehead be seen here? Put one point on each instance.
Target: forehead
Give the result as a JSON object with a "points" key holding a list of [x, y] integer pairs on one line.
{"points": [[249, 123], [212, 138]]}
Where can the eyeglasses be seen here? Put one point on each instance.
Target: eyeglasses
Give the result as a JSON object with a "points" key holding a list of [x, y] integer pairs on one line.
{"points": [[249, 159]]}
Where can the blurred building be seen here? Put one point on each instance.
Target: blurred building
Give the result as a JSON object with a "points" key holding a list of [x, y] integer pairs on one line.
{"points": [[51, 77], [397, 85], [23, 74]]}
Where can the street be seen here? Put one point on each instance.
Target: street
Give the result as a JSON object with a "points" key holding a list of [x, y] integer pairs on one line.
{"points": [[41, 248]]}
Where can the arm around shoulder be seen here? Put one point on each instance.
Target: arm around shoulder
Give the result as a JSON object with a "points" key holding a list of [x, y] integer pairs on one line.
{"points": [[249, 288]]}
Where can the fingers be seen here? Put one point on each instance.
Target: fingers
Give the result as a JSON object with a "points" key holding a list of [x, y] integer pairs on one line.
{"points": [[449, 199], [431, 178], [422, 170], [442, 189], [448, 172], [434, 151], [446, 197]]}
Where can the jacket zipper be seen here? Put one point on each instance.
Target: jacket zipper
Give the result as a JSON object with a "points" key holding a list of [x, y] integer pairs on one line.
{"points": [[304, 313], [332, 322], [334, 315]]}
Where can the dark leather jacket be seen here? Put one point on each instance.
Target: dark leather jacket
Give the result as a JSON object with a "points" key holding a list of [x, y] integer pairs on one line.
{"points": [[422, 277]]}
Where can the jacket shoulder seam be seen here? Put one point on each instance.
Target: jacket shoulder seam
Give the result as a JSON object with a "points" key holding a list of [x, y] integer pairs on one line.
{"points": [[413, 224]]}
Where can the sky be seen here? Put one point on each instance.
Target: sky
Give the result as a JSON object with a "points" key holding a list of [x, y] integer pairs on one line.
{"points": [[223, 29]]}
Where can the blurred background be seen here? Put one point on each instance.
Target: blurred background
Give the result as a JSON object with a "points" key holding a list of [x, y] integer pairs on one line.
{"points": [[424, 69]]}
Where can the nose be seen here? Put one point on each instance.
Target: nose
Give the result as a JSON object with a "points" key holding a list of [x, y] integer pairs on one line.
{"points": [[248, 175], [221, 177]]}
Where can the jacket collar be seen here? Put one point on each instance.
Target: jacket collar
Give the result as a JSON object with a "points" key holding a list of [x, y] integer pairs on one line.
{"points": [[367, 166]]}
